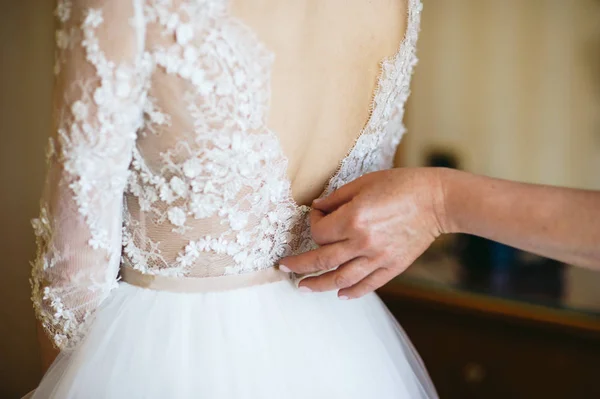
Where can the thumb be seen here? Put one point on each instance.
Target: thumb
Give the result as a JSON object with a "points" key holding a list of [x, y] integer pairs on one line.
{"points": [[337, 198]]}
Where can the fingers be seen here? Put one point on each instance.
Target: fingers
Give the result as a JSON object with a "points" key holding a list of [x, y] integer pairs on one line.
{"points": [[337, 198], [315, 217], [347, 275], [329, 228], [324, 258], [370, 283]]}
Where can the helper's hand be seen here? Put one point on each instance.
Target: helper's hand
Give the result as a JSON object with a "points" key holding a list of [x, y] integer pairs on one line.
{"points": [[371, 230]]}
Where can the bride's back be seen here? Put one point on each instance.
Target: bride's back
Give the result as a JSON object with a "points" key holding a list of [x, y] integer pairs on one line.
{"points": [[251, 108]]}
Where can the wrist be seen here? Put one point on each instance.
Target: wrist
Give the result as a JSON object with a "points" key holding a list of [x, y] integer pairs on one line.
{"points": [[446, 199]]}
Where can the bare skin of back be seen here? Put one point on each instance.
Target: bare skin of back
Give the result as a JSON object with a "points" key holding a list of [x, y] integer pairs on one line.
{"points": [[327, 56]]}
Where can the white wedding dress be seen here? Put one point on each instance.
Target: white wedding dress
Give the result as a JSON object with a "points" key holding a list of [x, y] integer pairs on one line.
{"points": [[167, 207]]}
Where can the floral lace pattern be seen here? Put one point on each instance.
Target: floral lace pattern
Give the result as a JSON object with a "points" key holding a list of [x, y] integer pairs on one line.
{"points": [[162, 158]]}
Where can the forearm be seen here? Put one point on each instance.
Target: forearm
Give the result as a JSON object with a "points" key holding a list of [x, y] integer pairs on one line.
{"points": [[558, 223]]}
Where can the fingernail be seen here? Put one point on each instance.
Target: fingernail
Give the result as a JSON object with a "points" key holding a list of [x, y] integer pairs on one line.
{"points": [[303, 289], [344, 298], [317, 200], [284, 269]]}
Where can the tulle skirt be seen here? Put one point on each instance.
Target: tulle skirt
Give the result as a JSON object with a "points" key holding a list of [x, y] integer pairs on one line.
{"points": [[267, 341]]}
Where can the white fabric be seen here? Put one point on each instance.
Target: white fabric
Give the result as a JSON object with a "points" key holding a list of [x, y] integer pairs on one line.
{"points": [[267, 341], [162, 160]]}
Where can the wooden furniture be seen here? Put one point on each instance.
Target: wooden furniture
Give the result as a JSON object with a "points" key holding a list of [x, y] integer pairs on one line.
{"points": [[477, 345]]}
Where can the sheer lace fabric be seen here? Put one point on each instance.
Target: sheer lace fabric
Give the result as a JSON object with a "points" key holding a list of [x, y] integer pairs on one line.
{"points": [[162, 159]]}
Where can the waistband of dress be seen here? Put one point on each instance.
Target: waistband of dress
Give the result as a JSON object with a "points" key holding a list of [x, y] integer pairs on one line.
{"points": [[202, 284]]}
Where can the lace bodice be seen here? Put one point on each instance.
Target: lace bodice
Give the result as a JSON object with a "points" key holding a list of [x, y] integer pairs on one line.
{"points": [[162, 158]]}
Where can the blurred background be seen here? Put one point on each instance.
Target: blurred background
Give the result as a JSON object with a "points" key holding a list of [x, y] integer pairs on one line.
{"points": [[509, 89], [505, 88]]}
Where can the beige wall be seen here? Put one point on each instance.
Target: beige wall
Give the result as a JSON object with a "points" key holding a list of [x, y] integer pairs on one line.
{"points": [[513, 86], [26, 38]]}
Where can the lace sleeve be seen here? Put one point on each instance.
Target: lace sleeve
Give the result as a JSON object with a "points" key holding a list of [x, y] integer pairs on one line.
{"points": [[98, 100]]}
